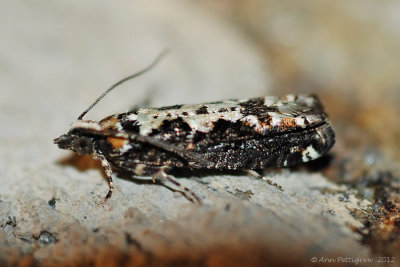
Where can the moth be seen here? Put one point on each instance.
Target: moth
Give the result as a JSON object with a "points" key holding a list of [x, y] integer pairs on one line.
{"points": [[246, 134]]}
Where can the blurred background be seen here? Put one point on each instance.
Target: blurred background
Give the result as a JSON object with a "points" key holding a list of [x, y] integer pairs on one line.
{"points": [[344, 51], [57, 57]]}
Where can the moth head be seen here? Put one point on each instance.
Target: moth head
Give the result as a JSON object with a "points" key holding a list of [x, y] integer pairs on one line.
{"points": [[76, 142]]}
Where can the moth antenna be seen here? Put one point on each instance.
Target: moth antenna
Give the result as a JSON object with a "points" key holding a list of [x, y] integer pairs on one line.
{"points": [[149, 67]]}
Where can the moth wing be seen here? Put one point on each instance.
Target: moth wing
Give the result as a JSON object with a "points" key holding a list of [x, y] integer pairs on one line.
{"points": [[188, 155]]}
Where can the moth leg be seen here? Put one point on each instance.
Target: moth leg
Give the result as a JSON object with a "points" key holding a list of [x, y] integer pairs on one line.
{"points": [[259, 176], [186, 191], [107, 169]]}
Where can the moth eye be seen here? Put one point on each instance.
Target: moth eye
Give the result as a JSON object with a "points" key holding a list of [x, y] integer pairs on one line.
{"points": [[82, 143]]}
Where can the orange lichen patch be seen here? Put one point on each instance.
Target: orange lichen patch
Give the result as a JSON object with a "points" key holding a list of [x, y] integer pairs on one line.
{"points": [[109, 123], [390, 224], [117, 142]]}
